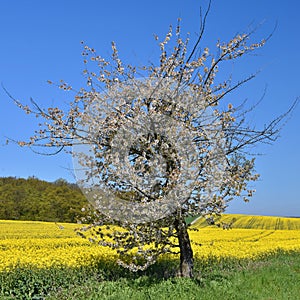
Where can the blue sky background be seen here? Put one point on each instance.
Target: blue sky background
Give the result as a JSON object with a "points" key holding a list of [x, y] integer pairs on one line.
{"points": [[40, 40]]}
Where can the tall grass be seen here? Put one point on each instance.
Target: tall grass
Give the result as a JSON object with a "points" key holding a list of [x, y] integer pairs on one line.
{"points": [[274, 277]]}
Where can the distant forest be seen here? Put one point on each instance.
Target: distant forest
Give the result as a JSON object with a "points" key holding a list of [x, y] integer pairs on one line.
{"points": [[38, 200]]}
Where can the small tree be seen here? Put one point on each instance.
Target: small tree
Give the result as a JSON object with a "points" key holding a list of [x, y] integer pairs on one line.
{"points": [[153, 145]]}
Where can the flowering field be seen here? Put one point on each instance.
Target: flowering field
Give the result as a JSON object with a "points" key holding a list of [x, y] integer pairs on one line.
{"points": [[256, 222], [244, 243], [44, 244]]}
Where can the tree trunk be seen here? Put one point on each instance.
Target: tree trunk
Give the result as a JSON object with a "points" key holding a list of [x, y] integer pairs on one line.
{"points": [[186, 252]]}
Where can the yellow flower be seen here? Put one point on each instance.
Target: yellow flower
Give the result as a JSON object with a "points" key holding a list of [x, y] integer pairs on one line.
{"points": [[43, 244]]}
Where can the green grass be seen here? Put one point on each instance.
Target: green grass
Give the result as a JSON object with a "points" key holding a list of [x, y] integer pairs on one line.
{"points": [[274, 277]]}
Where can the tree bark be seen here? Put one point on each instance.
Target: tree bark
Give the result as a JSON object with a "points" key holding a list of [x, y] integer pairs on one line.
{"points": [[186, 252]]}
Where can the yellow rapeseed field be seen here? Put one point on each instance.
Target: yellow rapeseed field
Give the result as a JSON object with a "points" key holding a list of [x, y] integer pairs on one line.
{"points": [[244, 243], [43, 244], [255, 222]]}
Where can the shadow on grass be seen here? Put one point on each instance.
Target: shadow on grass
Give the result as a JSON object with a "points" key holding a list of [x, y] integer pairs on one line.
{"points": [[211, 269], [28, 282], [32, 283]]}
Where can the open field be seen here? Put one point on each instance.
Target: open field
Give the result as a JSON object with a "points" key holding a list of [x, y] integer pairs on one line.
{"points": [[255, 222], [46, 244], [36, 257]]}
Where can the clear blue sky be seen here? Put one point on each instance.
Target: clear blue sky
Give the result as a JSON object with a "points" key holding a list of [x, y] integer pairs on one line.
{"points": [[40, 40]]}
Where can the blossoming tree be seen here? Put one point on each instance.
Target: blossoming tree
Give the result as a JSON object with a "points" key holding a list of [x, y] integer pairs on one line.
{"points": [[155, 145]]}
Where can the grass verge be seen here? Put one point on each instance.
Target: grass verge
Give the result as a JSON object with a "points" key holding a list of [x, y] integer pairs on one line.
{"points": [[273, 277]]}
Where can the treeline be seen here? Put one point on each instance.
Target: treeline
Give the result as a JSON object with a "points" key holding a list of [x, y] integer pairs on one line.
{"points": [[38, 200]]}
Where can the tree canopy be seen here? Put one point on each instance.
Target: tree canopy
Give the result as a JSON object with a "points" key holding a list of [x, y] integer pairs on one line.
{"points": [[38, 200]]}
